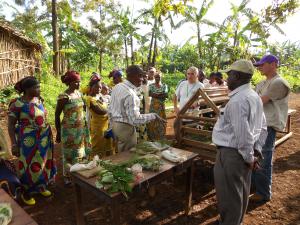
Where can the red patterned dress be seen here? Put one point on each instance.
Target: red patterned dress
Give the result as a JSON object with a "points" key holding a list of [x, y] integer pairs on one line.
{"points": [[36, 162]]}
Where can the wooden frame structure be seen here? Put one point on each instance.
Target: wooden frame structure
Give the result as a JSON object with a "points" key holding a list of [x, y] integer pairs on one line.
{"points": [[19, 55], [200, 120], [195, 123]]}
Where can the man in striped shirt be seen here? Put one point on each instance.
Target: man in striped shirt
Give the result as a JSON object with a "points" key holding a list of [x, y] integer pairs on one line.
{"points": [[124, 109], [239, 133]]}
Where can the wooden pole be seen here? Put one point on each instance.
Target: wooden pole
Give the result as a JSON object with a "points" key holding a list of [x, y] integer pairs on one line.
{"points": [[55, 38]]}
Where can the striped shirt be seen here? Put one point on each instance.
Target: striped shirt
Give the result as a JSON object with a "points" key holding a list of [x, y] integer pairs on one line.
{"points": [[242, 123], [125, 105]]}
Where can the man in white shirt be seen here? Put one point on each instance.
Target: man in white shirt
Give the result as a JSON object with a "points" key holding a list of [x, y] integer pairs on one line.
{"points": [[239, 133], [185, 90], [124, 109]]}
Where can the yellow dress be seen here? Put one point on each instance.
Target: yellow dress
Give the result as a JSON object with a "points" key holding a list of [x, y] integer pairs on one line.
{"points": [[98, 125]]}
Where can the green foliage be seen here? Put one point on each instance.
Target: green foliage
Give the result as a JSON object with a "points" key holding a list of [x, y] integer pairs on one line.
{"points": [[6, 94], [51, 87], [172, 79]]}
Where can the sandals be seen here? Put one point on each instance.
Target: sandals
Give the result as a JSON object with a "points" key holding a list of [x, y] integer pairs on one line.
{"points": [[30, 201]]}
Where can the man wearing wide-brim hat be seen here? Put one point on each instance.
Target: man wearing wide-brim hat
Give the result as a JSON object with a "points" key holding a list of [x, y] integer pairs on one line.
{"points": [[274, 93], [239, 132]]}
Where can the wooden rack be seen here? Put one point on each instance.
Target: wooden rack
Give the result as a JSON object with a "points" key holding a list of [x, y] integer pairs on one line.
{"points": [[198, 123]]}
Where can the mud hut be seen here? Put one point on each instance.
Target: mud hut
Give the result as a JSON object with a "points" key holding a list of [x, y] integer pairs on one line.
{"points": [[19, 55]]}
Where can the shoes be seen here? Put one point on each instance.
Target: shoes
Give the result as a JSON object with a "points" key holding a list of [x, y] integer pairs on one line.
{"points": [[255, 198], [46, 193], [30, 201]]}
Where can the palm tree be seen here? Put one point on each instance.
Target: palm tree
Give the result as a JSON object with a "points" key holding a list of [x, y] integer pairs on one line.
{"points": [[197, 16], [156, 21]]}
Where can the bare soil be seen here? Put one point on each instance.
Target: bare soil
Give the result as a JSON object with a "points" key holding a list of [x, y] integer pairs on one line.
{"points": [[168, 204]]}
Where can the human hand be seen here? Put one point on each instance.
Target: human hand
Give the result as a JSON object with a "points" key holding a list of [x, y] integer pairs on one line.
{"points": [[258, 154], [254, 165], [176, 110], [160, 119]]}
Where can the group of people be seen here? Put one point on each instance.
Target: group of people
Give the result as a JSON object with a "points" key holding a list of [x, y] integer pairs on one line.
{"points": [[91, 124], [106, 119], [245, 135]]}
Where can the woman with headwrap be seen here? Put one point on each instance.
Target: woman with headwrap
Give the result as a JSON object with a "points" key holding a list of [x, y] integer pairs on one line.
{"points": [[31, 140], [72, 131], [98, 120], [158, 92]]}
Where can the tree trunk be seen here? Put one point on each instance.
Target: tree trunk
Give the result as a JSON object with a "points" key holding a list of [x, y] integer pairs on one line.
{"points": [[151, 42], [55, 39], [100, 61], [132, 53], [199, 41], [126, 51], [154, 51]]}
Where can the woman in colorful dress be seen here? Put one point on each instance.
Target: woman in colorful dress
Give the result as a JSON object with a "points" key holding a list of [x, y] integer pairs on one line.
{"points": [[31, 140], [72, 131], [159, 93], [98, 120]]}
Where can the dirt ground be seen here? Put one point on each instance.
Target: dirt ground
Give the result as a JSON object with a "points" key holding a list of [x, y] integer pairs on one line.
{"points": [[168, 204]]}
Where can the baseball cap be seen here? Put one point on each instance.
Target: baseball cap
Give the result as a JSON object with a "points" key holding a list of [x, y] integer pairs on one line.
{"points": [[267, 59], [242, 65], [117, 73]]}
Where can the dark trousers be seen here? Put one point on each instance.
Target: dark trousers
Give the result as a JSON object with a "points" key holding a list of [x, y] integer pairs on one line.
{"points": [[232, 182], [262, 178]]}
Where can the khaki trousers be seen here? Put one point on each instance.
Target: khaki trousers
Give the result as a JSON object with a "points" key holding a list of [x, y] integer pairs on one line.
{"points": [[125, 135]]}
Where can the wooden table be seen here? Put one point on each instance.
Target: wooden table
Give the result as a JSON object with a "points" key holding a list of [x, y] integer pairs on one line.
{"points": [[166, 171], [20, 217]]}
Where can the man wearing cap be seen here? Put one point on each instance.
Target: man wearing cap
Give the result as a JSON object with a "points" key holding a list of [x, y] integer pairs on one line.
{"points": [[124, 109], [239, 135], [274, 93]]}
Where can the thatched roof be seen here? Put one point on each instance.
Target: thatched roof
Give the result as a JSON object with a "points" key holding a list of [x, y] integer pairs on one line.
{"points": [[5, 27]]}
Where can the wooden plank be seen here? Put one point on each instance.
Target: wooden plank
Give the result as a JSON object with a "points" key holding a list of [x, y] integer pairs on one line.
{"points": [[191, 130], [292, 111], [189, 188], [283, 138], [203, 153], [198, 144], [209, 102], [189, 103], [200, 118]]}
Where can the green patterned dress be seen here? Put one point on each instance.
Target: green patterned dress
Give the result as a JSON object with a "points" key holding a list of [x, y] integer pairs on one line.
{"points": [[75, 138], [157, 130]]}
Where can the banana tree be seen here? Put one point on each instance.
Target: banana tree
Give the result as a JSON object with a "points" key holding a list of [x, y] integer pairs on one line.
{"points": [[197, 17]]}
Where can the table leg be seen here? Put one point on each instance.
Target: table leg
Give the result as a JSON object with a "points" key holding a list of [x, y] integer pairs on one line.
{"points": [[189, 186], [78, 206], [115, 211]]}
